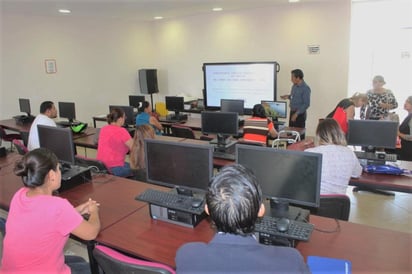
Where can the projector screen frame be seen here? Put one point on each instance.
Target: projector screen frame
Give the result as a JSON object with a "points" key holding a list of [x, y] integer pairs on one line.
{"points": [[248, 106]]}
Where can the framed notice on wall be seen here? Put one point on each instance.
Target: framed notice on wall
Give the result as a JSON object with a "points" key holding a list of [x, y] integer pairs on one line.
{"points": [[50, 65]]}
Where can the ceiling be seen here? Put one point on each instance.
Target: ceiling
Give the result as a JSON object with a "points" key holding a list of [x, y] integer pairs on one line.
{"points": [[136, 10]]}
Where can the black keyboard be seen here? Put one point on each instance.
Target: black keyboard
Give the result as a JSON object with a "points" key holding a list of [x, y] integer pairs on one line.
{"points": [[67, 123], [375, 157], [171, 200], [224, 155], [297, 230], [176, 118]]}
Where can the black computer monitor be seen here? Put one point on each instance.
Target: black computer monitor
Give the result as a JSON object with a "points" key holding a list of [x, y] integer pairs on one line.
{"points": [[136, 100], [275, 109], [223, 124], [128, 110], [175, 164], [284, 175], [232, 105], [25, 106], [372, 134], [59, 140], [67, 110], [174, 103]]}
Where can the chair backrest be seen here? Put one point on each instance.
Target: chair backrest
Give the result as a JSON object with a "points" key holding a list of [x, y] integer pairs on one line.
{"points": [[334, 206], [25, 137], [95, 165], [182, 131], [111, 261], [21, 148]]}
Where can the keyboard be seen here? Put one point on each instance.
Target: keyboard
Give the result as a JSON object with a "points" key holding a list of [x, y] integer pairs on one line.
{"points": [[67, 123], [171, 200], [297, 230], [178, 118], [375, 157], [224, 155]]}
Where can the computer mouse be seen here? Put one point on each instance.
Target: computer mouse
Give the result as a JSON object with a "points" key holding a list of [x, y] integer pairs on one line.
{"points": [[196, 203], [282, 224]]}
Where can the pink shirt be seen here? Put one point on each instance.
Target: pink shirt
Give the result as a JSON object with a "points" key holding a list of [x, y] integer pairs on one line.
{"points": [[37, 230], [112, 148]]}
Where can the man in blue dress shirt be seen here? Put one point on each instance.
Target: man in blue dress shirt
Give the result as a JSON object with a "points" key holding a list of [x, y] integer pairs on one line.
{"points": [[299, 99], [234, 202]]}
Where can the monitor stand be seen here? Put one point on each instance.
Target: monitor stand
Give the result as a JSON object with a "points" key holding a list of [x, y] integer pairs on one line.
{"points": [[222, 142], [280, 208]]}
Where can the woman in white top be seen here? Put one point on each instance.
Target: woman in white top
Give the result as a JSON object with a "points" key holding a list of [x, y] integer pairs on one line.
{"points": [[339, 163]]}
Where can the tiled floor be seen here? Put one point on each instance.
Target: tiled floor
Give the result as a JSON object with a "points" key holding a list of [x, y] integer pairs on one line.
{"points": [[388, 212]]}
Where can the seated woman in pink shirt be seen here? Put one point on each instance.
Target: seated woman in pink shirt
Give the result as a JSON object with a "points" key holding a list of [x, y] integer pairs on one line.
{"points": [[39, 224], [114, 143]]}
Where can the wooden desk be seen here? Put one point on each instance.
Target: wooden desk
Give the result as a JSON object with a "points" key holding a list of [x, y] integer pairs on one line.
{"points": [[371, 250], [11, 124], [9, 183], [401, 183]]}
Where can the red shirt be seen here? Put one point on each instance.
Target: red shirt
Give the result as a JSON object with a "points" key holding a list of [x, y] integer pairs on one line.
{"points": [[112, 148], [255, 136]]}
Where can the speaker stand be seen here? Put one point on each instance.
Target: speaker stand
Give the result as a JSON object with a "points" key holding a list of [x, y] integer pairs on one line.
{"points": [[151, 101]]}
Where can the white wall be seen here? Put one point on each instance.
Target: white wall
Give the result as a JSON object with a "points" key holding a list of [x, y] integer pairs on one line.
{"points": [[272, 34], [97, 60]]}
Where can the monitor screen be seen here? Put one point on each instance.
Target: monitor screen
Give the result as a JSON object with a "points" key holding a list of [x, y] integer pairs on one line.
{"points": [[67, 110], [174, 103], [372, 133], [288, 175], [128, 111], [177, 164], [24, 106], [275, 109], [248, 81], [232, 105], [136, 100], [223, 123], [59, 140]]}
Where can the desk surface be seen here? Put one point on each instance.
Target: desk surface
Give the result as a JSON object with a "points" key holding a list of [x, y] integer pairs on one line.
{"points": [[371, 250], [12, 125], [401, 183]]}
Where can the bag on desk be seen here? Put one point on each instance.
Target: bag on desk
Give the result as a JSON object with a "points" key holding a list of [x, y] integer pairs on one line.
{"points": [[383, 169]]}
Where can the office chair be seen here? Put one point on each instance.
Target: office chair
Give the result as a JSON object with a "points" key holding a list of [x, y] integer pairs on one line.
{"points": [[25, 137], [252, 143], [8, 137], [335, 206], [285, 138], [20, 147], [111, 261], [182, 131]]}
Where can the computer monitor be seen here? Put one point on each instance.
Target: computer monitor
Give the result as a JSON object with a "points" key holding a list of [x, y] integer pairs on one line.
{"points": [[372, 134], [232, 105], [25, 106], [67, 110], [136, 100], [275, 109], [183, 165], [174, 103], [128, 110], [59, 140], [284, 175], [223, 124]]}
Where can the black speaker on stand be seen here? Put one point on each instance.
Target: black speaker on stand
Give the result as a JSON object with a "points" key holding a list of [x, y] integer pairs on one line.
{"points": [[148, 83]]}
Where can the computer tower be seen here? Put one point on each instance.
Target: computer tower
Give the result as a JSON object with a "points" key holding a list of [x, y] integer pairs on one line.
{"points": [[148, 81]]}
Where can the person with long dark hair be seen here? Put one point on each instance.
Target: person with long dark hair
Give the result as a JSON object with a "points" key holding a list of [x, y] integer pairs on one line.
{"points": [[405, 132], [259, 133], [146, 118], [344, 111], [39, 224]]}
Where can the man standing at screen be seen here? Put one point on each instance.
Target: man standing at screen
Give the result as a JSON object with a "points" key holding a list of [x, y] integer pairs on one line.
{"points": [[47, 113], [299, 99]]}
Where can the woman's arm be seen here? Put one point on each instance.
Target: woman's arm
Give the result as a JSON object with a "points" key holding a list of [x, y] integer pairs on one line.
{"points": [[153, 121], [88, 229]]}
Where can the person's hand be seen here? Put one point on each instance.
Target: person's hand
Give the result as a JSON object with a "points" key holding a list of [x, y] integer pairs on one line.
{"points": [[294, 117], [88, 207], [284, 97]]}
